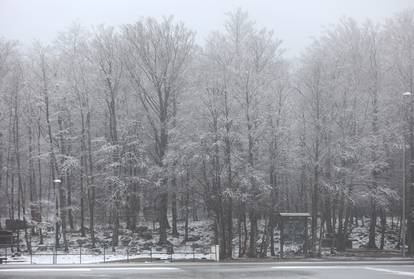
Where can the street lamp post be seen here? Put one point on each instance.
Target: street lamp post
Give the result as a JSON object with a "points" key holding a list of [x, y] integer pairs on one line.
{"points": [[405, 95]]}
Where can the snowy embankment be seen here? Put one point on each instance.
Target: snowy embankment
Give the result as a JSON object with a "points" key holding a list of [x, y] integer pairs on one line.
{"points": [[85, 259], [141, 245]]}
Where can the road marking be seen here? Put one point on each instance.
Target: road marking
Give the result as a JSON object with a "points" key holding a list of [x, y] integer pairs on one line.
{"points": [[315, 267], [391, 271], [44, 269], [88, 269], [140, 268]]}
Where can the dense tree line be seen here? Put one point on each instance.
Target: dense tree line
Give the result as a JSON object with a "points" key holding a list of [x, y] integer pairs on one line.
{"points": [[104, 127]]}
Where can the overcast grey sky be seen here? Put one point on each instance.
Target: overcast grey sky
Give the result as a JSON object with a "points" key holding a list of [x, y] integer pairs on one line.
{"points": [[294, 21]]}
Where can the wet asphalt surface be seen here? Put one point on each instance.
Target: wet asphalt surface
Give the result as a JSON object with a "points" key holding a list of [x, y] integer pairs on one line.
{"points": [[319, 270]]}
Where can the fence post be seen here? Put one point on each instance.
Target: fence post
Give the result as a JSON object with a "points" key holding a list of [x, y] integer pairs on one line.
{"points": [[31, 256], [54, 255], [104, 253], [80, 253], [127, 254]]}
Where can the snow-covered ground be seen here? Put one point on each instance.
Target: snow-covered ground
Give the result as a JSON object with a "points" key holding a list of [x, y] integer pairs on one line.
{"points": [[141, 245], [79, 259], [360, 236]]}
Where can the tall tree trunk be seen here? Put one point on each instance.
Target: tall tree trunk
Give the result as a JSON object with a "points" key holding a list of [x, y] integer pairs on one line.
{"points": [[21, 200], [83, 174], [91, 186], [115, 223], [253, 233], [174, 178], [117, 170], [186, 204], [54, 170], [372, 224], [61, 191], [316, 171], [69, 200], [383, 228], [410, 190], [265, 239], [174, 212], [68, 178], [374, 172], [315, 201], [162, 218], [246, 232], [39, 169], [239, 232], [163, 197], [31, 172], [271, 234], [2, 168], [229, 243]]}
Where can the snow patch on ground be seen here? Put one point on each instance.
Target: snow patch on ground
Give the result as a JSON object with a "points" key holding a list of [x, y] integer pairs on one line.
{"points": [[142, 245]]}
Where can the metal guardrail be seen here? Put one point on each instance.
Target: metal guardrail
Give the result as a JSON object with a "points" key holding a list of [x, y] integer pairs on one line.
{"points": [[103, 254]]}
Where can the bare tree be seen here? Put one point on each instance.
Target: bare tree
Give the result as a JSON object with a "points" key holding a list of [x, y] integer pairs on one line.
{"points": [[106, 47], [158, 56]]}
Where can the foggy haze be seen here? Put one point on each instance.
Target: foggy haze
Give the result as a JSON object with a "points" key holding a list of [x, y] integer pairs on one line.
{"points": [[295, 22]]}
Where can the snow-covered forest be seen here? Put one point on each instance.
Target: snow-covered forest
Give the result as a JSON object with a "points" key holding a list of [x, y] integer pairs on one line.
{"points": [[111, 126]]}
